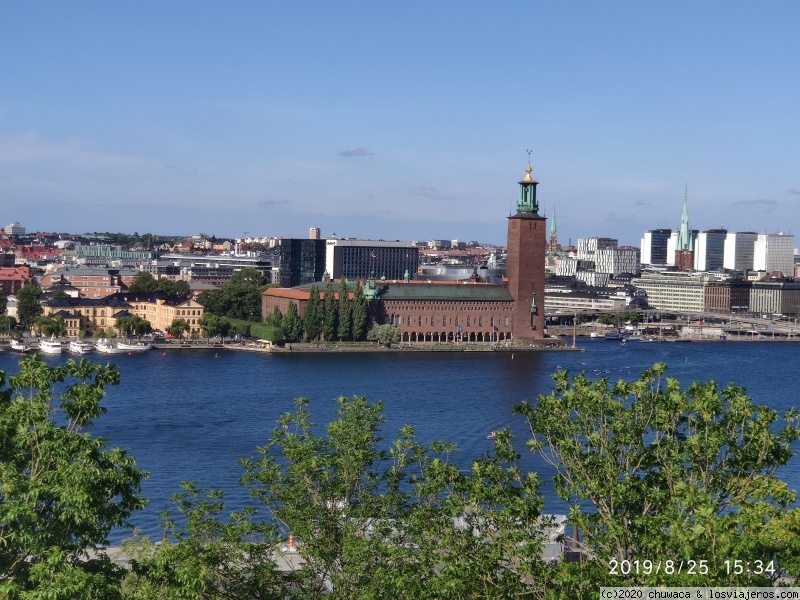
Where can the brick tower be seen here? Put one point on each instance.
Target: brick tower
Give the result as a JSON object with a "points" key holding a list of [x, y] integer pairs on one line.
{"points": [[527, 242]]}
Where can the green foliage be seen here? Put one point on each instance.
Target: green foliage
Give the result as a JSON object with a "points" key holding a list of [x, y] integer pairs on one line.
{"points": [[143, 283], [62, 489], [313, 315], [3, 303], [207, 557], [211, 301], [28, 307], [181, 288], [7, 323], [344, 317], [58, 295], [51, 326], [685, 474], [359, 313], [275, 324], [239, 299], [329, 318], [384, 334], [211, 324], [292, 324], [397, 521], [581, 318], [133, 325], [178, 328]]}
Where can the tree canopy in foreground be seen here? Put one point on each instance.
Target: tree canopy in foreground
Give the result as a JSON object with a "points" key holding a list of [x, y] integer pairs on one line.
{"points": [[666, 486], [61, 490]]}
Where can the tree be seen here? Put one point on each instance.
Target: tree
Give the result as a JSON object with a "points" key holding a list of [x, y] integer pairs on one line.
{"points": [[211, 300], [241, 297], [670, 473], [143, 283], [51, 326], [59, 295], [384, 334], [313, 315], [28, 307], [178, 328], [345, 320], [292, 324], [359, 313], [133, 325], [7, 323], [329, 316], [3, 303], [206, 555], [210, 324], [63, 490], [398, 520], [182, 289]]}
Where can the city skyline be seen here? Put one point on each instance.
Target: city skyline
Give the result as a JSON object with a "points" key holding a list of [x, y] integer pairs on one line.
{"points": [[398, 121]]}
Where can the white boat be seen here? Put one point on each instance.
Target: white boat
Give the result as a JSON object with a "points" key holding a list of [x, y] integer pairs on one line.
{"points": [[80, 347], [133, 346], [51, 346], [105, 346], [19, 345]]}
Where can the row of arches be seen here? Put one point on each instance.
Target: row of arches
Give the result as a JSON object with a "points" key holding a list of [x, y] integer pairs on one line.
{"points": [[451, 337]]}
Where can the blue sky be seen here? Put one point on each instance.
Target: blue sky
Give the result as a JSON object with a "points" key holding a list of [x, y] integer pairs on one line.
{"points": [[404, 120]]}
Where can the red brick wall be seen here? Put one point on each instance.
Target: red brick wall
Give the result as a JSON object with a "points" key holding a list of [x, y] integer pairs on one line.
{"points": [[525, 269]]}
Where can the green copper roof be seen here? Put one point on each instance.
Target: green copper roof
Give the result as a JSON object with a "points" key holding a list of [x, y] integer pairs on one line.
{"points": [[433, 291]]}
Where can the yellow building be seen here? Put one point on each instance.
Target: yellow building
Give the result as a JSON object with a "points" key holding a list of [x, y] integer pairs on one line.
{"points": [[88, 315]]}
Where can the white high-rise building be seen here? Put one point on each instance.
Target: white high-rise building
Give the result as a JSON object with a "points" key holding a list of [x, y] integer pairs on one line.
{"points": [[774, 252], [15, 229], [587, 247], [709, 250], [779, 254], [654, 247], [617, 260], [739, 250]]}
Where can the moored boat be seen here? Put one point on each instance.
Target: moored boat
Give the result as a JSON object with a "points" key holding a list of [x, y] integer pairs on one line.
{"points": [[19, 345], [80, 347], [51, 346], [105, 346], [133, 346]]}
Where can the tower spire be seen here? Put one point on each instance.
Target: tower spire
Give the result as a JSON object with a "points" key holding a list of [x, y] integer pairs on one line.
{"points": [[684, 252], [527, 191], [553, 233]]}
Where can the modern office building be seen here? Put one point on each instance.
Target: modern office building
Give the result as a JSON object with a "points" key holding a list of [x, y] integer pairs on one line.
{"points": [[709, 250], [774, 253], [678, 291], [654, 246], [739, 248], [360, 259], [301, 261]]}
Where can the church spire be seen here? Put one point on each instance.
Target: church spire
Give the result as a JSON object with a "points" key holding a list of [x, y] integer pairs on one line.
{"points": [[684, 252], [685, 241], [553, 233]]}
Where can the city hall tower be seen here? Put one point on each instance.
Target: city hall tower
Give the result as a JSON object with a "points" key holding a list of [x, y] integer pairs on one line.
{"points": [[525, 261]]}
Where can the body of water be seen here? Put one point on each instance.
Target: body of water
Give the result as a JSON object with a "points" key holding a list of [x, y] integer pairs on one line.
{"points": [[190, 414]]}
